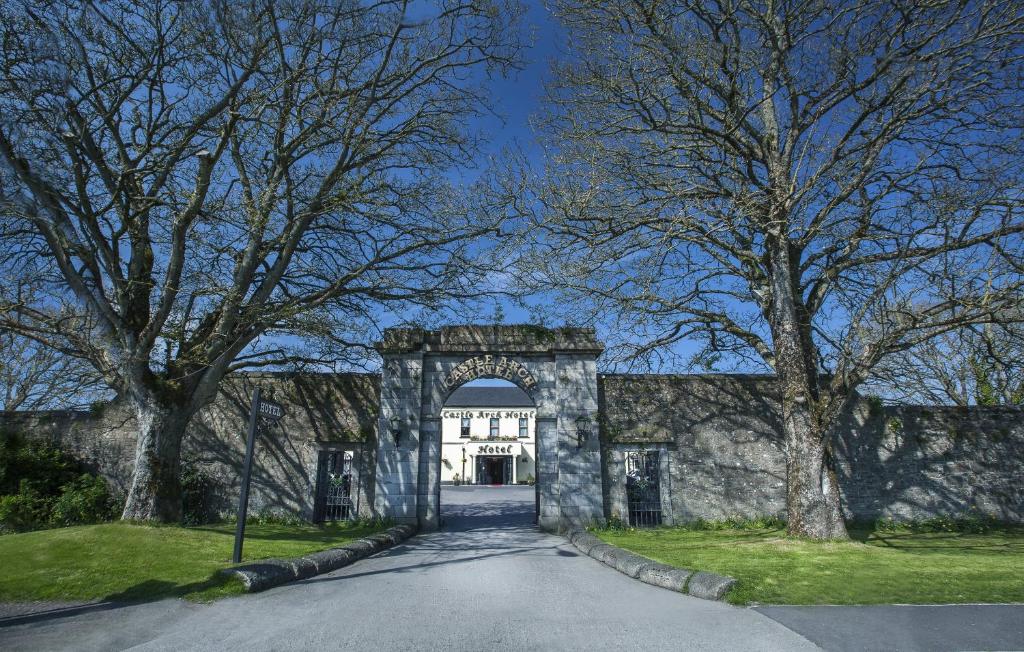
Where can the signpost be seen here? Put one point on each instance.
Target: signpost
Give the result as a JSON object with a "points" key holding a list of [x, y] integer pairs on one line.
{"points": [[271, 411]]}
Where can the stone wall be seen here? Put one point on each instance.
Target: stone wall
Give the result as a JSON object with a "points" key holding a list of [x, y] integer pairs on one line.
{"points": [[322, 412], [104, 441], [719, 437], [722, 435], [917, 462]]}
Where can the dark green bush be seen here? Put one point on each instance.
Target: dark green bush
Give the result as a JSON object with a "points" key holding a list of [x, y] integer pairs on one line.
{"points": [[198, 491], [84, 500], [46, 467], [25, 510], [42, 486]]}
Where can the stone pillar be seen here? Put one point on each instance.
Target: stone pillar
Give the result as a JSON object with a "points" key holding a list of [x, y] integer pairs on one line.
{"points": [[580, 491], [615, 461], [428, 509], [547, 473], [398, 466]]}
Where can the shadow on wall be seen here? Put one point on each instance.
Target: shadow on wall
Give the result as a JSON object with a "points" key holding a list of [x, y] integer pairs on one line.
{"points": [[320, 409], [724, 436], [918, 462]]}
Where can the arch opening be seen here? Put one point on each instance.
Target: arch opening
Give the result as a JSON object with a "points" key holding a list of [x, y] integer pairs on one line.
{"points": [[488, 461]]}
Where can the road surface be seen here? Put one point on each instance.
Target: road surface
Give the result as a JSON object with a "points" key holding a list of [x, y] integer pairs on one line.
{"points": [[488, 581]]}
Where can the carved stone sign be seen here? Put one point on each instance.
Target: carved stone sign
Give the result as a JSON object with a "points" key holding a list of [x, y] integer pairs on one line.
{"points": [[481, 366], [449, 413]]}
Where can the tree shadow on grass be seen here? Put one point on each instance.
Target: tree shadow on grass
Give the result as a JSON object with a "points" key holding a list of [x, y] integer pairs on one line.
{"points": [[215, 586], [1003, 541]]}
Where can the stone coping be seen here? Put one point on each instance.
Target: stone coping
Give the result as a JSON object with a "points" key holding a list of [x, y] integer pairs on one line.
{"points": [[515, 339], [267, 573], [699, 584]]}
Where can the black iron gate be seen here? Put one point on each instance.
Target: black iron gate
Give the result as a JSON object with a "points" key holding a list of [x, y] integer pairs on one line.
{"points": [[334, 484], [643, 488]]}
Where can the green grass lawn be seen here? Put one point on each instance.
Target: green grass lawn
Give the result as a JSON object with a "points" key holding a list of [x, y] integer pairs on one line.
{"points": [[875, 567], [125, 562]]}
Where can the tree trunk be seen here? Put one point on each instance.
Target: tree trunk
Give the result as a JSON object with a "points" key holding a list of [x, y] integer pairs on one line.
{"points": [[812, 493], [155, 493]]}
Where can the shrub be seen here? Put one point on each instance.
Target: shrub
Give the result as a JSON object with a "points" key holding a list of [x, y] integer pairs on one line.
{"points": [[737, 523], [198, 496], [42, 486], [615, 522], [23, 511], [84, 500], [45, 466], [270, 517]]}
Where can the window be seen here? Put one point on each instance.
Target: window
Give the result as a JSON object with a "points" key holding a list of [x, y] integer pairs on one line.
{"points": [[465, 427], [494, 428], [523, 431]]}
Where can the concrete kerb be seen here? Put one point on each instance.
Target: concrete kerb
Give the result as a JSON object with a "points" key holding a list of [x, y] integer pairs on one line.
{"points": [[268, 573], [700, 584]]}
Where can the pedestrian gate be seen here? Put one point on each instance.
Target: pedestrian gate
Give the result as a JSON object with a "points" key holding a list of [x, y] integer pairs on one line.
{"points": [[643, 488], [334, 487]]}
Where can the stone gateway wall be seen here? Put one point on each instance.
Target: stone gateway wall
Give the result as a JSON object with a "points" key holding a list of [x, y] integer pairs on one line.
{"points": [[722, 435], [719, 439], [555, 367]]}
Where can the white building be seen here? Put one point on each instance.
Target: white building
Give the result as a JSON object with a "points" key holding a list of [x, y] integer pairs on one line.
{"points": [[488, 436]]}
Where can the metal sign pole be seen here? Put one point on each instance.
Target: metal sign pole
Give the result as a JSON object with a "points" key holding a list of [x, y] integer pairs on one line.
{"points": [[243, 500]]}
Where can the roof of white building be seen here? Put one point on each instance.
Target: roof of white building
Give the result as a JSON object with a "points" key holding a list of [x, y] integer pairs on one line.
{"points": [[489, 397]]}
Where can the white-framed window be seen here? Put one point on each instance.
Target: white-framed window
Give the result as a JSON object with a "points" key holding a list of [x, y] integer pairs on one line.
{"points": [[464, 432], [524, 430], [494, 428]]}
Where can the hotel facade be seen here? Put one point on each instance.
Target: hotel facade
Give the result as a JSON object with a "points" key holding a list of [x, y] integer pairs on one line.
{"points": [[488, 437]]}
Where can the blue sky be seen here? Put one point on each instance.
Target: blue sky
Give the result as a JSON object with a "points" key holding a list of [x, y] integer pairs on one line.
{"points": [[515, 100], [520, 96]]}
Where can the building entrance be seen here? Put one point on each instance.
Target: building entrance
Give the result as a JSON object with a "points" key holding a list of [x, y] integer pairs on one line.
{"points": [[494, 470]]}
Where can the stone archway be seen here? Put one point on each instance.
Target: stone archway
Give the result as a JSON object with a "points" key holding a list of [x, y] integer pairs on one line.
{"points": [[556, 367]]}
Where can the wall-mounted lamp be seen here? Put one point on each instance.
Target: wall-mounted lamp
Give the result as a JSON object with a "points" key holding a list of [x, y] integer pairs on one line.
{"points": [[582, 430], [396, 429]]}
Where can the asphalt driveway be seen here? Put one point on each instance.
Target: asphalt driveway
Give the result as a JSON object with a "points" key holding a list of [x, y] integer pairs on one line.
{"points": [[488, 580]]}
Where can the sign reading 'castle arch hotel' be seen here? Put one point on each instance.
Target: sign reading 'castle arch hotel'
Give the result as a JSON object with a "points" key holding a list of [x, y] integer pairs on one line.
{"points": [[490, 366]]}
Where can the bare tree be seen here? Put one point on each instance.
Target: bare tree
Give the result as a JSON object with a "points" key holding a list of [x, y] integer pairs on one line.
{"points": [[788, 182], [976, 365], [205, 177], [34, 376], [38, 377]]}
